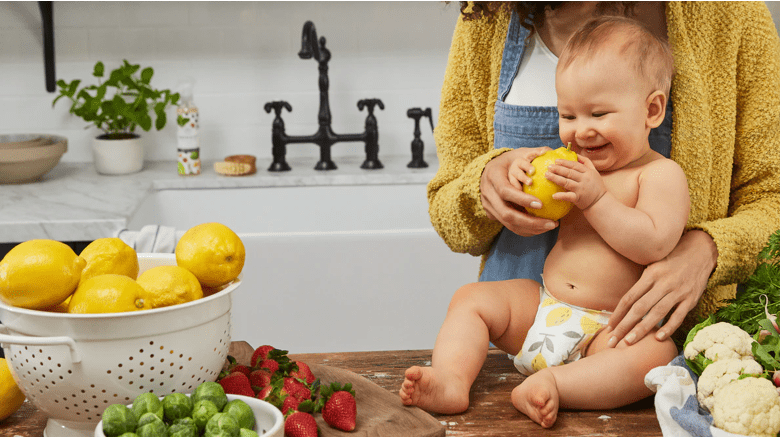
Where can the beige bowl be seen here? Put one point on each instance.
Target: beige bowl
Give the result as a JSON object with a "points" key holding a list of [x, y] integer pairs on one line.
{"points": [[26, 157]]}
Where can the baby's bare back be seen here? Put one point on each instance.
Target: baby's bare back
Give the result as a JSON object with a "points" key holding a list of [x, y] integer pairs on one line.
{"points": [[582, 269]]}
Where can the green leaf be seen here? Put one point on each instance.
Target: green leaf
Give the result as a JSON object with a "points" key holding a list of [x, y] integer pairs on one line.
{"points": [[161, 120], [767, 353], [99, 69], [146, 74]]}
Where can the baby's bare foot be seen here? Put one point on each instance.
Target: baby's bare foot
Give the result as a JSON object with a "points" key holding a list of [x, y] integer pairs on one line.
{"points": [[426, 388], [537, 398]]}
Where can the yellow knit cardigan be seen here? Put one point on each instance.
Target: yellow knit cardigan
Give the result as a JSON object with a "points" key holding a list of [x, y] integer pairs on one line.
{"points": [[725, 135]]}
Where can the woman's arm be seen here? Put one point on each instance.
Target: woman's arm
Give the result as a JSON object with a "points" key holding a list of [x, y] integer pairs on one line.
{"points": [[464, 138]]}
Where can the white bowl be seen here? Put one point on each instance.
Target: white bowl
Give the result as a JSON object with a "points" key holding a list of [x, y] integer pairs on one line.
{"points": [[72, 366], [269, 421], [26, 158]]}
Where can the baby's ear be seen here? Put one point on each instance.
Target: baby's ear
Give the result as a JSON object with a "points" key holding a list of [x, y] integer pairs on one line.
{"points": [[656, 109]]}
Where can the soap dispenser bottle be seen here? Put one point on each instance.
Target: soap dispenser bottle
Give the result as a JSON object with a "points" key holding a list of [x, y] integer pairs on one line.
{"points": [[188, 142]]}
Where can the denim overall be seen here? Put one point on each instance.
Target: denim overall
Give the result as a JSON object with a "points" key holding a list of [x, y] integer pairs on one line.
{"points": [[512, 256]]}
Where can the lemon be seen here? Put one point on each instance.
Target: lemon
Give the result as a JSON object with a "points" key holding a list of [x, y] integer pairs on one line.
{"points": [[169, 285], [543, 189], [109, 255], [538, 363], [110, 293], [11, 397], [558, 316], [37, 274], [212, 252], [60, 307]]}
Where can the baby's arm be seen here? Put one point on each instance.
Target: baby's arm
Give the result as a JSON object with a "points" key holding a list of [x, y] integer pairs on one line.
{"points": [[650, 230]]}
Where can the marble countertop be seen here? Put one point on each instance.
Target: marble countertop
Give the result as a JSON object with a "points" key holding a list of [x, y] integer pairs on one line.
{"points": [[75, 203]]}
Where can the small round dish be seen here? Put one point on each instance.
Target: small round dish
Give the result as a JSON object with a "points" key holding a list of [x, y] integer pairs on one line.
{"points": [[27, 157], [269, 421]]}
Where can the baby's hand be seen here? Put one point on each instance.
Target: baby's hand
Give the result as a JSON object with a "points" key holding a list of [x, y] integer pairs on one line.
{"points": [[582, 182], [521, 170]]}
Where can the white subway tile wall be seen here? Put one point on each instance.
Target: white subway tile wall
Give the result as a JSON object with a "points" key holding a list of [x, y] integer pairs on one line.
{"points": [[241, 55]]}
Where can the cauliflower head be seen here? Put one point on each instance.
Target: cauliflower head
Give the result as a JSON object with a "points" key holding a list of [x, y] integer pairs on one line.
{"points": [[719, 342], [749, 406], [718, 374]]}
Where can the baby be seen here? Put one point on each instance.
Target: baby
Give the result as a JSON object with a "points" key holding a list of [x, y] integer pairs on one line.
{"points": [[612, 82]]}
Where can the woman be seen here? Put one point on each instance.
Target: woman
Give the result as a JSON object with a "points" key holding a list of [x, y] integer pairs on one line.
{"points": [[722, 128]]}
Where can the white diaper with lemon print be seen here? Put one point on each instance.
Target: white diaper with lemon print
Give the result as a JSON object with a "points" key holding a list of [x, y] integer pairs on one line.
{"points": [[559, 335]]}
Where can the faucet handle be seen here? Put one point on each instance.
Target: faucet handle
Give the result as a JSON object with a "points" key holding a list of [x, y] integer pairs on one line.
{"points": [[277, 107], [369, 104]]}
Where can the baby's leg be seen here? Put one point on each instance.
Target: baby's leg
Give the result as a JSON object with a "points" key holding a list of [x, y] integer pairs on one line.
{"points": [[501, 312], [607, 378]]}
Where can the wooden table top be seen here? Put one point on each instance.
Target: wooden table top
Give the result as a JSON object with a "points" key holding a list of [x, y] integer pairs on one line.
{"points": [[491, 413]]}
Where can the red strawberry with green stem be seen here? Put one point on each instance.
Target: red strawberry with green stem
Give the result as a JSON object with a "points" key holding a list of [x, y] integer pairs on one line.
{"points": [[303, 372], [260, 354], [295, 388], [237, 384], [300, 424], [260, 378], [339, 408]]}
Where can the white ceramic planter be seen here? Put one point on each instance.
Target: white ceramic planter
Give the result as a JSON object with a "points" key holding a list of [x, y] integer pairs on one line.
{"points": [[118, 157]]}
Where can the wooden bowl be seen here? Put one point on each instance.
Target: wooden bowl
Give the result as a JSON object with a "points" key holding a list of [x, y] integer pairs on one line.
{"points": [[27, 157]]}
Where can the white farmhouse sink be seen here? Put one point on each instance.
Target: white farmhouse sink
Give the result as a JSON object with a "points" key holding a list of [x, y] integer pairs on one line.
{"points": [[335, 268]]}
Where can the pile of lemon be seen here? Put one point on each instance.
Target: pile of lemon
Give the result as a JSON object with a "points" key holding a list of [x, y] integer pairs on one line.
{"points": [[48, 275]]}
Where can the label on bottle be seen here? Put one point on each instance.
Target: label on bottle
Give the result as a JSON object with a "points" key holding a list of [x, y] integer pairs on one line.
{"points": [[188, 142]]}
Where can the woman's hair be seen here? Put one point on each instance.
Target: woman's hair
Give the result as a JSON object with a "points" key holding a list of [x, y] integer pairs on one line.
{"points": [[649, 54], [532, 13]]}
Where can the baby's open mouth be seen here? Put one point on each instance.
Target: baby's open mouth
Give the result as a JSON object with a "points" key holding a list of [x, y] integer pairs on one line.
{"points": [[595, 149]]}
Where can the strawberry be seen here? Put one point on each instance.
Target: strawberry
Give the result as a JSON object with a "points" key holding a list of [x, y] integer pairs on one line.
{"points": [[272, 393], [339, 409], [303, 372], [260, 378], [237, 384], [300, 424], [295, 388], [260, 354], [233, 366], [290, 404], [271, 365]]}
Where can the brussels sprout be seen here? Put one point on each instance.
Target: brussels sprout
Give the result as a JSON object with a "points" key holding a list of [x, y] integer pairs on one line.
{"points": [[176, 406], [222, 425], [154, 428], [181, 428], [147, 403], [117, 420], [248, 433], [241, 412], [212, 391], [202, 412], [148, 418]]}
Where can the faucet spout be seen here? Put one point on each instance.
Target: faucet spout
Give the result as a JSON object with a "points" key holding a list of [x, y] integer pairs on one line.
{"points": [[309, 46]]}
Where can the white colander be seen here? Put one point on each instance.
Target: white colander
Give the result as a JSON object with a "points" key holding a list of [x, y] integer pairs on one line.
{"points": [[72, 366]]}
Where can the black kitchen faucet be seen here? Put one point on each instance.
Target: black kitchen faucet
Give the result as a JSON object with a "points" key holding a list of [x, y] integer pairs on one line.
{"points": [[324, 137]]}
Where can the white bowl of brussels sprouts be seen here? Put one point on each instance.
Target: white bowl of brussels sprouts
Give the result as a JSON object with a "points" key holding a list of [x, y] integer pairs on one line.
{"points": [[207, 412]]}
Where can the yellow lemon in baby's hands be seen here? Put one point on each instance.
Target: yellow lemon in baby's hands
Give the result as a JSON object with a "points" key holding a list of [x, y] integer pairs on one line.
{"points": [[543, 189], [212, 252], [37, 274], [109, 255], [169, 285], [110, 293]]}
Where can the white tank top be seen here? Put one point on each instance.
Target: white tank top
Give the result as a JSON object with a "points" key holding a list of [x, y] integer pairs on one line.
{"points": [[534, 84]]}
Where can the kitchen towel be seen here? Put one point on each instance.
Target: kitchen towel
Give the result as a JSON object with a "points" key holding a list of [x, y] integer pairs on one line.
{"points": [[675, 402], [151, 239]]}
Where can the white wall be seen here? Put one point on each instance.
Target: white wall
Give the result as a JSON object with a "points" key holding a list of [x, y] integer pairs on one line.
{"points": [[241, 55]]}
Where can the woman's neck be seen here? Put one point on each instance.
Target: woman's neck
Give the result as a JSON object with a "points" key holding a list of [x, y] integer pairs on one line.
{"points": [[563, 21]]}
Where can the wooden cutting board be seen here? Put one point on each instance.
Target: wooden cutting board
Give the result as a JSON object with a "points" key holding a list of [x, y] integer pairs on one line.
{"points": [[379, 412]]}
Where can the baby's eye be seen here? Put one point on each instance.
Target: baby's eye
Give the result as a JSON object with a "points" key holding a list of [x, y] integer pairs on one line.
{"points": [[599, 114], [567, 117]]}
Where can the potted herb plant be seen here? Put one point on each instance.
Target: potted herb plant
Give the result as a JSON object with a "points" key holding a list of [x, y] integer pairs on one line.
{"points": [[117, 106]]}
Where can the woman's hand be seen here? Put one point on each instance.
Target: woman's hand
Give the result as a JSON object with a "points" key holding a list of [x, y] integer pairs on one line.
{"points": [[675, 282], [504, 202]]}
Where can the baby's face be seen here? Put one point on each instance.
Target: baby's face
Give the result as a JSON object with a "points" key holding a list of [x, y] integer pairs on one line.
{"points": [[603, 110]]}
